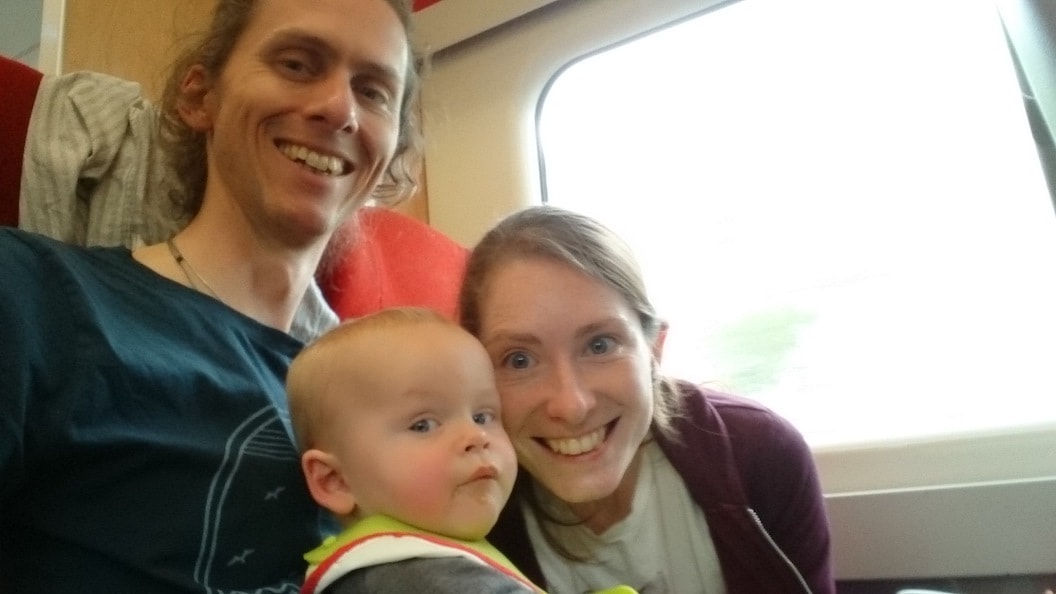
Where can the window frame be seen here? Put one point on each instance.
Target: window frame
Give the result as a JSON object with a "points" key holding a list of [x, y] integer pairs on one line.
{"points": [[480, 109]]}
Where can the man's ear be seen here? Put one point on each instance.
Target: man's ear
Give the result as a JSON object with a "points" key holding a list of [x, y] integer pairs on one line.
{"points": [[195, 104], [326, 483]]}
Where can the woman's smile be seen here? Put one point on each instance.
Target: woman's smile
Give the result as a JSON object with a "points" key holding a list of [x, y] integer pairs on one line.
{"points": [[575, 446]]}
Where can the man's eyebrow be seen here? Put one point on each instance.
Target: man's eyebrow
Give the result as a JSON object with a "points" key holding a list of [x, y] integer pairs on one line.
{"points": [[300, 38], [384, 71], [308, 40]]}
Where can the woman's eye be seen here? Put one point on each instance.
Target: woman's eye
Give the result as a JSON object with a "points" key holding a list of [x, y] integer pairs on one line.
{"points": [[424, 425], [483, 418], [518, 360], [601, 345]]}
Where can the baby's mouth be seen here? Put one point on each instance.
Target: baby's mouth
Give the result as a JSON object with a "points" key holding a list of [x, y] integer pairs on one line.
{"points": [[484, 472]]}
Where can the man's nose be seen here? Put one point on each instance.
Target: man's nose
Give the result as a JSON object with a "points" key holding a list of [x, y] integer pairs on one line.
{"points": [[335, 103]]}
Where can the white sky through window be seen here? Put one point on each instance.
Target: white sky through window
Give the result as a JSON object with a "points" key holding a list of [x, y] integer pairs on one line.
{"points": [[838, 206]]}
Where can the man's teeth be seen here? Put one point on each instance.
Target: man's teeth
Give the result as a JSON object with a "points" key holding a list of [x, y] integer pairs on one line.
{"points": [[577, 445], [324, 163]]}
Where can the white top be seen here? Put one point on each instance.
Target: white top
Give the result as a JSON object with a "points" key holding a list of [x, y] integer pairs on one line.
{"points": [[662, 547]]}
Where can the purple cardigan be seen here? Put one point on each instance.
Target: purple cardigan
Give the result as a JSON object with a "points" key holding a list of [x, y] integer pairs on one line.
{"points": [[753, 475]]}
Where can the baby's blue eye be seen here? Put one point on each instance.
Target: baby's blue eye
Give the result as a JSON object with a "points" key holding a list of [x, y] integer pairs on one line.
{"points": [[483, 418], [423, 426]]}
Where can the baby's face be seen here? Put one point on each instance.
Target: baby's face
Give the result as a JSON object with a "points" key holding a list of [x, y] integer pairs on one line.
{"points": [[420, 436]]}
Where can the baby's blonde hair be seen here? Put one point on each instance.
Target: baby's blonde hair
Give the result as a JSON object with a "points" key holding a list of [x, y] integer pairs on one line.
{"points": [[313, 371]]}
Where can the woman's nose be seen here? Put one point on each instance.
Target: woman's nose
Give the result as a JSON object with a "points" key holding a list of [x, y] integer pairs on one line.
{"points": [[569, 400], [335, 104]]}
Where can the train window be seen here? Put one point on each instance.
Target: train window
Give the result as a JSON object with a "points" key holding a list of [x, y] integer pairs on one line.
{"points": [[839, 207]]}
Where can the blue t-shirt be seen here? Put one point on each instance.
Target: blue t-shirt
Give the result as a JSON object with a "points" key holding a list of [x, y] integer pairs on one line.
{"points": [[145, 443]]}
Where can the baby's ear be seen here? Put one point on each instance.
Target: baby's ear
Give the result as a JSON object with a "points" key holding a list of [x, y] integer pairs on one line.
{"points": [[326, 483]]}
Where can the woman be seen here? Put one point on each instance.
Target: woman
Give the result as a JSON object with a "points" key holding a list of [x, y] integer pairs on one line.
{"points": [[144, 438], [627, 476]]}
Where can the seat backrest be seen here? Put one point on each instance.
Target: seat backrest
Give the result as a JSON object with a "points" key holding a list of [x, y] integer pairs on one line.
{"points": [[394, 260], [18, 91]]}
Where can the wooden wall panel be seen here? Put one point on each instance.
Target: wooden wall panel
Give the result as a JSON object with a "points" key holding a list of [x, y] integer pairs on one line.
{"points": [[137, 40], [133, 39]]}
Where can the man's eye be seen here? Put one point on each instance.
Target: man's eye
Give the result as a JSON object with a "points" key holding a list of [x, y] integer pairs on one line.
{"points": [[296, 66], [373, 91], [374, 95], [424, 425], [297, 63], [483, 418], [293, 65]]}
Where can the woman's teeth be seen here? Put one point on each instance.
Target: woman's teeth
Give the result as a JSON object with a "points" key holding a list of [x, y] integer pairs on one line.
{"points": [[322, 163], [577, 445]]}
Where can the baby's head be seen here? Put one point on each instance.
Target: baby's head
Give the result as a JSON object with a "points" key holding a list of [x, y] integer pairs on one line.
{"points": [[397, 413]]}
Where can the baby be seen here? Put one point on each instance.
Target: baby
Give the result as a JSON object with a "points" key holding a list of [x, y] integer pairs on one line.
{"points": [[398, 421]]}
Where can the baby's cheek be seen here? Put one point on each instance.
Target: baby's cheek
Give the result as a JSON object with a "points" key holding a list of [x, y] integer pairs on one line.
{"points": [[426, 485]]}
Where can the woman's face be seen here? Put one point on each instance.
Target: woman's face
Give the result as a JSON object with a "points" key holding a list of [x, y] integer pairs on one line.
{"points": [[574, 371]]}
